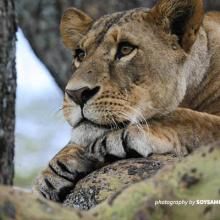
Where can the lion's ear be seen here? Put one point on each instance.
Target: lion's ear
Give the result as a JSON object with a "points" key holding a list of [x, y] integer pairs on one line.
{"points": [[74, 24], [180, 17]]}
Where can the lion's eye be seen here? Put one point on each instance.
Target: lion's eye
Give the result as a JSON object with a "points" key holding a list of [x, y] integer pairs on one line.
{"points": [[124, 49], [80, 55]]}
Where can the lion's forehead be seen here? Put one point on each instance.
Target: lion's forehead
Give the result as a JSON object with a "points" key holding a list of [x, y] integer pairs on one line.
{"points": [[101, 27]]}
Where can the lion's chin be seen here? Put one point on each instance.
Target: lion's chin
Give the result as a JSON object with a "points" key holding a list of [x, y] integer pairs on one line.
{"points": [[105, 125], [106, 121], [76, 117]]}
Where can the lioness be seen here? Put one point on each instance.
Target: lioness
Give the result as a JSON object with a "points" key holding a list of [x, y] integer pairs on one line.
{"points": [[146, 81]]}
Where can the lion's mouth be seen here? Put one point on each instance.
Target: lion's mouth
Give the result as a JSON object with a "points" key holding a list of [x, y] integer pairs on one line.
{"points": [[87, 121]]}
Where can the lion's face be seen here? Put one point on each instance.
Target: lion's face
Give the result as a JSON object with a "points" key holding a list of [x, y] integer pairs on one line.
{"points": [[127, 69]]}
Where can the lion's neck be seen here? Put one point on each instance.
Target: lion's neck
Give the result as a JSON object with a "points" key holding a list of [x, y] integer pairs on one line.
{"points": [[203, 92], [196, 68], [197, 63]]}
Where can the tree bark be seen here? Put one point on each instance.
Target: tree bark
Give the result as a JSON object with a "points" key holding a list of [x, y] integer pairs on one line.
{"points": [[7, 90], [195, 178], [40, 19]]}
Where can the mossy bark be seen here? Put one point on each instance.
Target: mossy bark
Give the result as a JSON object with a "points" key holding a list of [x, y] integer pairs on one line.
{"points": [[102, 183], [196, 177]]}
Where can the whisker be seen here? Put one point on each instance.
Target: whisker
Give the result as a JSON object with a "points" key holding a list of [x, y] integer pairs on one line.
{"points": [[126, 94], [138, 113], [138, 124], [140, 128]]}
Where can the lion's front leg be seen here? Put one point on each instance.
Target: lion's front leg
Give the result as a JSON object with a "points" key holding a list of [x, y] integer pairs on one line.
{"points": [[62, 172], [69, 165], [179, 133], [126, 143]]}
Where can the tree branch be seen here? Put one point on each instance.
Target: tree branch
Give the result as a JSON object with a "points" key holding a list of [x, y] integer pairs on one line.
{"points": [[195, 177]]}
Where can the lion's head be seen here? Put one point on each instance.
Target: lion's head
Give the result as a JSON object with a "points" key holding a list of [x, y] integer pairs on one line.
{"points": [[132, 65]]}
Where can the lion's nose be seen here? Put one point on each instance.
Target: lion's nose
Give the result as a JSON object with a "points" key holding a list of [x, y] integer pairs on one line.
{"points": [[82, 95]]}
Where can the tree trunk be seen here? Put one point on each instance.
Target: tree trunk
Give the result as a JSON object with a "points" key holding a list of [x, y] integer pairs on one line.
{"points": [[194, 179], [39, 21], [7, 90]]}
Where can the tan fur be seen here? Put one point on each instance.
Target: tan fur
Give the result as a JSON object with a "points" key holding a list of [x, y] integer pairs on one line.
{"points": [[162, 97]]}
